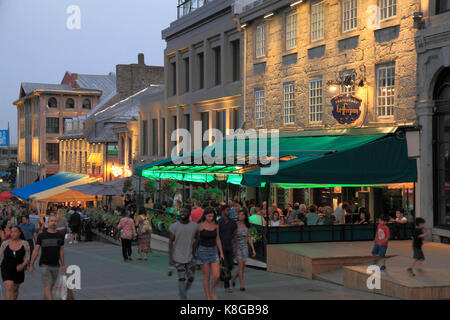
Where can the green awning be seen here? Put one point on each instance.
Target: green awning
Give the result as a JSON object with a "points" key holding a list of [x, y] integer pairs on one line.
{"points": [[300, 149], [380, 161]]}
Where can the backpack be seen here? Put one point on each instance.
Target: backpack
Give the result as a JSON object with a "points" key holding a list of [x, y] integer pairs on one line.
{"points": [[146, 225]]}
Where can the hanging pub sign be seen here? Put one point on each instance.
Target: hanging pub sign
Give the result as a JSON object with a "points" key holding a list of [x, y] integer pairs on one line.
{"points": [[346, 108]]}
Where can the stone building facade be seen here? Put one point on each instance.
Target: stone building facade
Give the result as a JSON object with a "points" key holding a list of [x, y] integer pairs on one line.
{"points": [[301, 54], [433, 112], [90, 144], [307, 46], [202, 63], [42, 110]]}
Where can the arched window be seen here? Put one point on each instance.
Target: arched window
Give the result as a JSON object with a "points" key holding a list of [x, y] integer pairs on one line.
{"points": [[442, 88], [70, 103], [442, 147], [52, 103], [86, 104]]}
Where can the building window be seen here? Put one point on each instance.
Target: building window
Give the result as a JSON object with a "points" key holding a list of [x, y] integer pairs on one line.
{"points": [[217, 66], [349, 15], [70, 103], [259, 107], [348, 90], [86, 104], [163, 136], [52, 103], [155, 136], [315, 101], [201, 70], [261, 40], [442, 6], [187, 122], [317, 21], [289, 103], [385, 91], [173, 75], [186, 74], [236, 56], [52, 153], [291, 31], [388, 9], [52, 125], [36, 127], [144, 137], [205, 127]]}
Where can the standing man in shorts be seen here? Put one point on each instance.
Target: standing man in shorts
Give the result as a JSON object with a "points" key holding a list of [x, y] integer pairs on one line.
{"points": [[182, 245], [52, 243]]}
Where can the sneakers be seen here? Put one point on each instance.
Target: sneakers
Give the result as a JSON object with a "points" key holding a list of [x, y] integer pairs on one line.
{"points": [[70, 242], [76, 241], [382, 268], [411, 273]]}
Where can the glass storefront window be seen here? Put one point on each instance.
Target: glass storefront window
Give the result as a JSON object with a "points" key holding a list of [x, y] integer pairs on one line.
{"points": [[443, 169]]}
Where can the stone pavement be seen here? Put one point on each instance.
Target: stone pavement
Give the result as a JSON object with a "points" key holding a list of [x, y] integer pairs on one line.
{"points": [[106, 277]]}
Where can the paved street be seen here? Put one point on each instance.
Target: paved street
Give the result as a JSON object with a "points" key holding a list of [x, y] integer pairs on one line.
{"points": [[106, 277]]}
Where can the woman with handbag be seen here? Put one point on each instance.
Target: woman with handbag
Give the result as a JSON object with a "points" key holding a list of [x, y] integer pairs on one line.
{"points": [[127, 235], [144, 234]]}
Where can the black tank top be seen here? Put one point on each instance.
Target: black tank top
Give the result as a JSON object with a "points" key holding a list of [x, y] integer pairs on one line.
{"points": [[208, 238]]}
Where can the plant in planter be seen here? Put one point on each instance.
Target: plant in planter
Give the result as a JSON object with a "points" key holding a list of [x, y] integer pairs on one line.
{"points": [[127, 186], [95, 216], [169, 188], [149, 186], [168, 221], [255, 235]]}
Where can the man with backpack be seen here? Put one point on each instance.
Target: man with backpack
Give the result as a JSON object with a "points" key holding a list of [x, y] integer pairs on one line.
{"points": [[74, 224]]}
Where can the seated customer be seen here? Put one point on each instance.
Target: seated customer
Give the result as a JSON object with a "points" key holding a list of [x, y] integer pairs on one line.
{"points": [[257, 218], [363, 218], [328, 218], [312, 217], [275, 221], [399, 221], [294, 213]]}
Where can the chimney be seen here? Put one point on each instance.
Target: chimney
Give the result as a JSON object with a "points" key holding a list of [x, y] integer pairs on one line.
{"points": [[141, 59]]}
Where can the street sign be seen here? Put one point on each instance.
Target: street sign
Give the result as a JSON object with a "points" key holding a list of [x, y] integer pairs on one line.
{"points": [[4, 141]]}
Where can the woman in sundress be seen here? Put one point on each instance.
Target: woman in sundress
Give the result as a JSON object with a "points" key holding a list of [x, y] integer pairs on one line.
{"points": [[244, 238], [144, 233]]}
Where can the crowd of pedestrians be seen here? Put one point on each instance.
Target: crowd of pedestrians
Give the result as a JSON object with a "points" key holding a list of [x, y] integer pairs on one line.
{"points": [[25, 235]]}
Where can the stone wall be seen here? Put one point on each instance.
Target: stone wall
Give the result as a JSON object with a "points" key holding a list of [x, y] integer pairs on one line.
{"points": [[361, 50], [132, 78]]}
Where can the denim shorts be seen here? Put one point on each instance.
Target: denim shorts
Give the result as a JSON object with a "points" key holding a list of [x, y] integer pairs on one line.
{"points": [[379, 250], [207, 255]]}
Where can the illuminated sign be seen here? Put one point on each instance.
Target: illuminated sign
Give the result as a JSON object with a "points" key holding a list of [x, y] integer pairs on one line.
{"points": [[117, 171], [346, 108]]}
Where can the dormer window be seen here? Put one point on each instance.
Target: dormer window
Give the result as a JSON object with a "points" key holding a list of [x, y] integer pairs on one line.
{"points": [[70, 103], [86, 104], [52, 103]]}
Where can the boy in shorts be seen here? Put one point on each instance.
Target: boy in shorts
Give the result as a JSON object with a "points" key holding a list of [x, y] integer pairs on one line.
{"points": [[418, 236], [381, 241]]}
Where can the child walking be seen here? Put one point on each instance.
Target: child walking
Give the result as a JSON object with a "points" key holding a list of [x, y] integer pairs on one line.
{"points": [[418, 236], [381, 241]]}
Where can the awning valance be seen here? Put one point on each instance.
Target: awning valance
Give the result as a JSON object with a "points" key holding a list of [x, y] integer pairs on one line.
{"points": [[51, 182], [63, 193], [95, 158], [379, 162]]}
